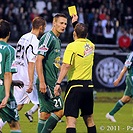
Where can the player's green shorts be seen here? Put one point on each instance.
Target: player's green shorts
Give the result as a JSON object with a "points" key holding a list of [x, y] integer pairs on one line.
{"points": [[9, 113], [129, 86], [49, 104]]}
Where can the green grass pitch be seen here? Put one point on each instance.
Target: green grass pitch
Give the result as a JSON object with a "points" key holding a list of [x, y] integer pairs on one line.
{"points": [[104, 103]]}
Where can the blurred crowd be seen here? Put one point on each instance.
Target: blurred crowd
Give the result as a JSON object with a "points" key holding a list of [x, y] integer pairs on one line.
{"points": [[109, 21]]}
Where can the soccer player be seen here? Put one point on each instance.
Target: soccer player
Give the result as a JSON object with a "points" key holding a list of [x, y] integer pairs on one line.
{"points": [[26, 51], [8, 106], [128, 94], [47, 65], [77, 64]]}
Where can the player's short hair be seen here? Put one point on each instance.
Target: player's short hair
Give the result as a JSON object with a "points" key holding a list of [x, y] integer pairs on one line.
{"points": [[81, 30], [4, 28], [37, 22], [56, 16]]}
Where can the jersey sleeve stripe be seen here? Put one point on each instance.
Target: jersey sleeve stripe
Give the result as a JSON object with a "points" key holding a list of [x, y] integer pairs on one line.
{"points": [[48, 35], [130, 57]]}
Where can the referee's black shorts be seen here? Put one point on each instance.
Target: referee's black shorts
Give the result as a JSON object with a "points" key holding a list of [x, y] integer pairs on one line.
{"points": [[79, 95]]}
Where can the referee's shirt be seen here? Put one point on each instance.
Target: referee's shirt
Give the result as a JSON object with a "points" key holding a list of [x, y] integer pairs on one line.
{"points": [[79, 54]]}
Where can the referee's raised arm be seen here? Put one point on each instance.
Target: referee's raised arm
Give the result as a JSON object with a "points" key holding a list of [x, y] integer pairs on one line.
{"points": [[74, 20]]}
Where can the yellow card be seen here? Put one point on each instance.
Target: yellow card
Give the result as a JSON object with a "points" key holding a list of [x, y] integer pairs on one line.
{"points": [[72, 10]]}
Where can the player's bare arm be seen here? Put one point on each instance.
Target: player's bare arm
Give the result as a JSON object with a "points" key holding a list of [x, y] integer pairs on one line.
{"points": [[39, 69], [31, 67], [123, 71], [7, 84], [64, 69]]}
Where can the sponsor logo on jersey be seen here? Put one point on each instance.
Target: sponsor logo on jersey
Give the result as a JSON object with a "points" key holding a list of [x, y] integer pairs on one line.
{"points": [[128, 63], [43, 48]]}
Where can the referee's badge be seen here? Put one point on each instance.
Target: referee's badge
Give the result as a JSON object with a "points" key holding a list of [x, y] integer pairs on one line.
{"points": [[88, 50]]}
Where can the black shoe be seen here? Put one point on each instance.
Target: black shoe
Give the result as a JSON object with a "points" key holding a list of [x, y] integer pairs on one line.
{"points": [[30, 118]]}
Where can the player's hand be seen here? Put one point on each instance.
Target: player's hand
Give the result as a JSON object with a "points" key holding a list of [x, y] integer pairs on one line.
{"points": [[18, 83], [74, 18], [29, 90], [43, 88], [57, 90], [116, 82], [4, 102]]}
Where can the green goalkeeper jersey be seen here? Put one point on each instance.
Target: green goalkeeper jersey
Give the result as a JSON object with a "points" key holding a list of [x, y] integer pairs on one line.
{"points": [[50, 47]]}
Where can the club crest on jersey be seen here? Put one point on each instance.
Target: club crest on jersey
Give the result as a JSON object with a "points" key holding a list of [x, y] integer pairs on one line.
{"points": [[43, 48], [57, 50], [88, 50], [57, 62]]}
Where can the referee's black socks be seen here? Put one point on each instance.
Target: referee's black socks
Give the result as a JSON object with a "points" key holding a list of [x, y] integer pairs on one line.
{"points": [[91, 129], [71, 130]]}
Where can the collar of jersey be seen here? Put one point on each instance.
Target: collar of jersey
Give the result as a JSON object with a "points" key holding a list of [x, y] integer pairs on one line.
{"points": [[81, 40], [4, 43], [54, 34]]}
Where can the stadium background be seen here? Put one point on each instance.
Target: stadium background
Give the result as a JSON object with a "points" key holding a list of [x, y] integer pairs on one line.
{"points": [[109, 57]]}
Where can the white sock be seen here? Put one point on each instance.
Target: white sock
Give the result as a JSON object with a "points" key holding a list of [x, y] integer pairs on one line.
{"points": [[33, 109], [2, 123]]}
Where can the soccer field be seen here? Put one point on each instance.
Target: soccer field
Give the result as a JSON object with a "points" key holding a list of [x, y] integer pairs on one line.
{"points": [[124, 117]]}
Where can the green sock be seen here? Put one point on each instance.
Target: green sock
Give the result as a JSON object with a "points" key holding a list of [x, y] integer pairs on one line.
{"points": [[117, 107], [50, 124], [41, 124], [15, 131]]}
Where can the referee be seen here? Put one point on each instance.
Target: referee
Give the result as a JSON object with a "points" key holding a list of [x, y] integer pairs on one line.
{"points": [[77, 64]]}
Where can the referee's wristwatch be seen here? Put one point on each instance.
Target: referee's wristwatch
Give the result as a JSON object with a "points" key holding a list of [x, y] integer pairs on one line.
{"points": [[58, 83]]}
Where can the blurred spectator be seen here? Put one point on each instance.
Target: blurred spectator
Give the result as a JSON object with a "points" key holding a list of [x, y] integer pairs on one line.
{"points": [[131, 33], [40, 5], [120, 33], [81, 15], [21, 12], [131, 46], [107, 18], [11, 15], [128, 18], [124, 41], [102, 12], [55, 6], [98, 33], [1, 13], [108, 32], [91, 22], [46, 15], [33, 14]]}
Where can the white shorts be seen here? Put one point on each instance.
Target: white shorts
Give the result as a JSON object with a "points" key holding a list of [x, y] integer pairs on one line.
{"points": [[22, 97]]}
